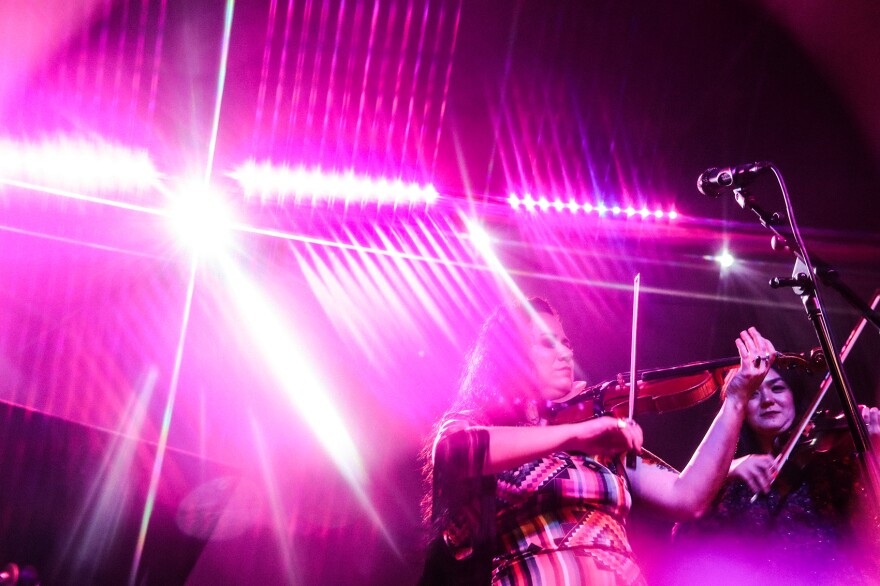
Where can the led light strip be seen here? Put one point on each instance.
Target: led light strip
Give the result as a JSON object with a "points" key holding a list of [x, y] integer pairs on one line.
{"points": [[543, 204]]}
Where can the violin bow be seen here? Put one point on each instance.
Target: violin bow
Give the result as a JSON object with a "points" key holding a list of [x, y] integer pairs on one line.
{"points": [[782, 458], [633, 380]]}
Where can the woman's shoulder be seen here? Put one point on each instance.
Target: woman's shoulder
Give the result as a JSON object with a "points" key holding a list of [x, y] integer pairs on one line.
{"points": [[459, 424], [458, 420]]}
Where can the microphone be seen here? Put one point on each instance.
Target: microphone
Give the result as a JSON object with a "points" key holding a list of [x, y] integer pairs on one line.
{"points": [[717, 179]]}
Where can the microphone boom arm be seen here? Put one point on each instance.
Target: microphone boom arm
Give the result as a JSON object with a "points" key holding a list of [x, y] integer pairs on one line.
{"points": [[823, 270]]}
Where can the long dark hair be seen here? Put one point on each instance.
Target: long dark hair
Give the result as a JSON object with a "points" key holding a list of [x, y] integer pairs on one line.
{"points": [[498, 371], [495, 379]]}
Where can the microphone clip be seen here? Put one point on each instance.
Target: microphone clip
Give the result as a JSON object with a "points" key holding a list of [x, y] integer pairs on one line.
{"points": [[801, 281], [749, 202]]}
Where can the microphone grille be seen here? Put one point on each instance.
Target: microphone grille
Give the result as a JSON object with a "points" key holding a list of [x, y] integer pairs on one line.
{"points": [[705, 183]]}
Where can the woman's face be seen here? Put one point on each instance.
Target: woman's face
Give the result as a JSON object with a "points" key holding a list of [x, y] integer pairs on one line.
{"points": [[552, 357], [770, 410]]}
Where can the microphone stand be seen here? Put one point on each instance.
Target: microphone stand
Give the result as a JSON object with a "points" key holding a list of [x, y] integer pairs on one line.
{"points": [[827, 275], [804, 279]]}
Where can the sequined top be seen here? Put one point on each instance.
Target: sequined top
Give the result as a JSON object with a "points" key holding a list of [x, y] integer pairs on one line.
{"points": [[557, 520], [801, 529]]}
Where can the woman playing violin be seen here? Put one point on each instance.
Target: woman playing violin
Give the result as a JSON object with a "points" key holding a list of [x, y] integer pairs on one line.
{"points": [[514, 501], [795, 522]]}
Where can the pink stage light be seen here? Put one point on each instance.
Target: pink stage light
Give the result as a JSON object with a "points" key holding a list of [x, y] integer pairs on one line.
{"points": [[202, 220], [725, 259], [77, 164], [268, 181]]}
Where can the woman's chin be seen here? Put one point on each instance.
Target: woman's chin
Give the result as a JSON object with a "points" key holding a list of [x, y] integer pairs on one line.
{"points": [[562, 394], [773, 428]]}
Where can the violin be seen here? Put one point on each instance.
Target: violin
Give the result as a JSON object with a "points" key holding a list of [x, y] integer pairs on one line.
{"points": [[826, 441], [665, 389], [807, 419], [827, 433]]}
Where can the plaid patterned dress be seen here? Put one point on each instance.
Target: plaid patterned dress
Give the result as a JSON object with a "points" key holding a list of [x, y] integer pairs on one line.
{"points": [[558, 520]]}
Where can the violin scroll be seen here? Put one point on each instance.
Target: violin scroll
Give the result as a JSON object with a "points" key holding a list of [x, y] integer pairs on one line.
{"points": [[812, 362]]}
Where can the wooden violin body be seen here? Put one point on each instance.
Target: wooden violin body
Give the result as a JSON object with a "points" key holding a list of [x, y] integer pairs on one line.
{"points": [[653, 396], [665, 389], [827, 433]]}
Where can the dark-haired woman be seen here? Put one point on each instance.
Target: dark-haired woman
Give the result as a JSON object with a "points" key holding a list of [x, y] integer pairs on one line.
{"points": [[795, 524], [514, 501]]}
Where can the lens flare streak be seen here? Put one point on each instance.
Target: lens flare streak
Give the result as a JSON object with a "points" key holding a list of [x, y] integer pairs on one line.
{"points": [[221, 82], [300, 382], [157, 59], [293, 369], [109, 490], [443, 100], [80, 197], [483, 244], [329, 114], [412, 279], [166, 426], [264, 69], [275, 500], [329, 285]]}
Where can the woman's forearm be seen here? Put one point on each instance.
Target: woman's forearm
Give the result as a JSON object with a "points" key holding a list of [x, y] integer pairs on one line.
{"points": [[686, 495], [708, 468], [510, 447]]}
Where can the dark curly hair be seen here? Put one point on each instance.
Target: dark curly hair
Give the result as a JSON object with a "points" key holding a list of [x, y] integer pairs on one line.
{"points": [[497, 372]]}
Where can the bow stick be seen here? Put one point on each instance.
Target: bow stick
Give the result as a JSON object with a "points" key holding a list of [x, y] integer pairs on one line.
{"points": [[633, 380]]}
